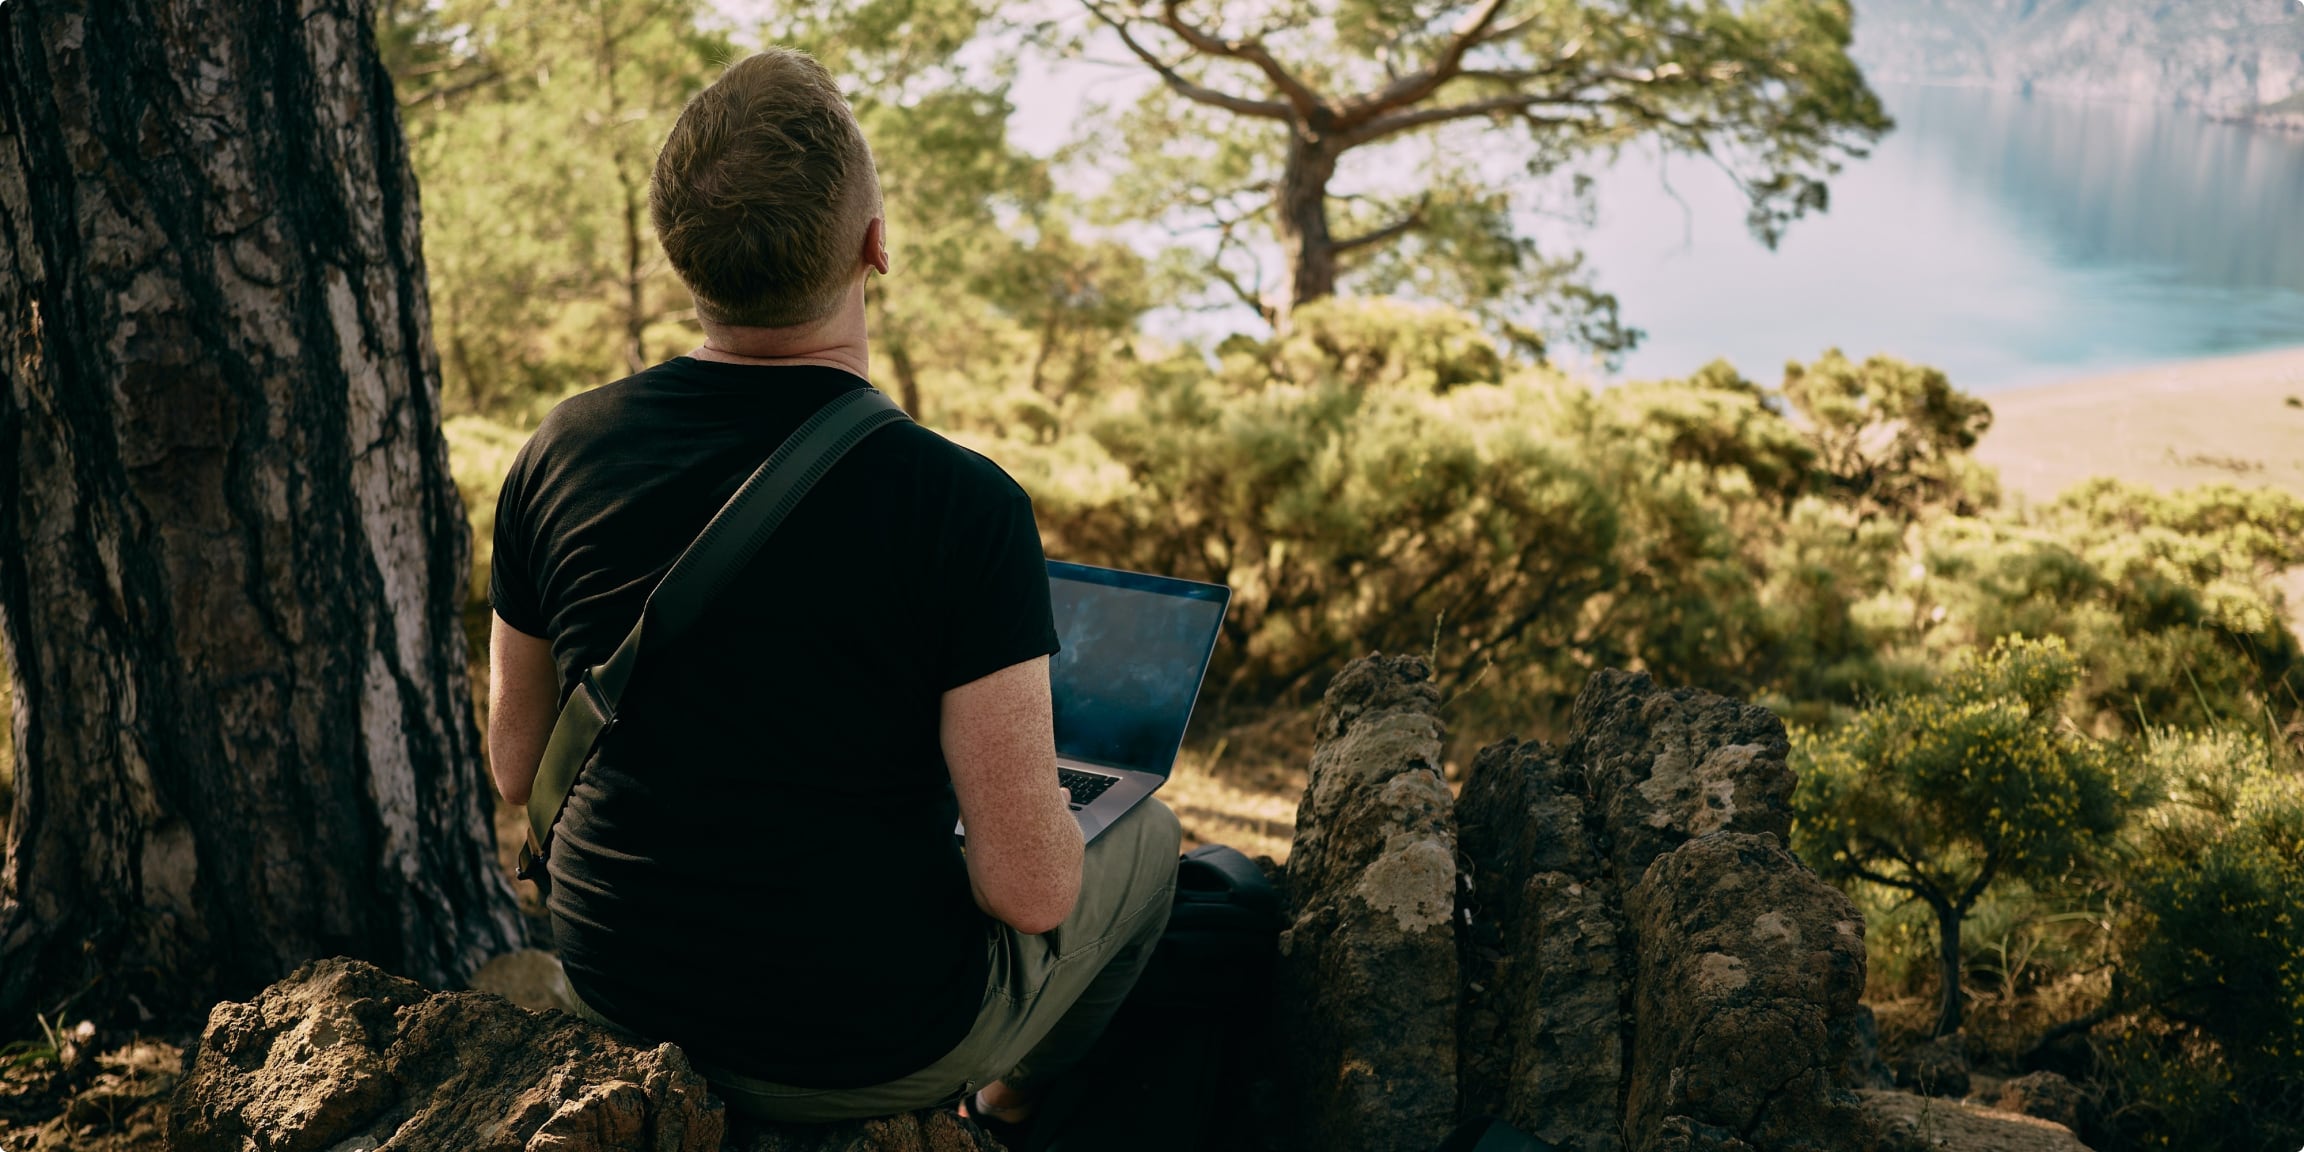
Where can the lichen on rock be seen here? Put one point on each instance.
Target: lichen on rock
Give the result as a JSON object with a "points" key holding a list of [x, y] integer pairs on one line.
{"points": [[1368, 963]]}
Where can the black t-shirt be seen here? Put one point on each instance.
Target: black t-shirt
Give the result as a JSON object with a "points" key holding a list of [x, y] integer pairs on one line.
{"points": [[760, 865]]}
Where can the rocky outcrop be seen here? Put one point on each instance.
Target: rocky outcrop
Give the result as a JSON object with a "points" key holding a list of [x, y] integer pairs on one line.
{"points": [[1746, 976], [1368, 982], [1543, 1040], [1901, 1122], [1640, 964], [343, 1057]]}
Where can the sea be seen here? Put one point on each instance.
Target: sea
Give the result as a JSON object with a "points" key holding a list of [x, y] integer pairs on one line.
{"points": [[2006, 239]]}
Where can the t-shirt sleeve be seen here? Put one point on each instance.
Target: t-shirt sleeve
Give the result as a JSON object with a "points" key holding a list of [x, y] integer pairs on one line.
{"points": [[995, 582], [511, 579]]}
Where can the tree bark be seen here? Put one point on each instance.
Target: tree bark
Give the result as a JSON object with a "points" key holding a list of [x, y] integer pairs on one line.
{"points": [[231, 556], [1948, 918], [1302, 221]]}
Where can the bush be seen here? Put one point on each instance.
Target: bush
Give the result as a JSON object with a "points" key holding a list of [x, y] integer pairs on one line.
{"points": [[2215, 943]]}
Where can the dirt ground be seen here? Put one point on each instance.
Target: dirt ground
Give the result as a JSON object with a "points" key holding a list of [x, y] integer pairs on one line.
{"points": [[88, 1093]]}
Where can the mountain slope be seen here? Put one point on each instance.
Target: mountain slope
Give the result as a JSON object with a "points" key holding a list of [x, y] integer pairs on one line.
{"points": [[2227, 57]]}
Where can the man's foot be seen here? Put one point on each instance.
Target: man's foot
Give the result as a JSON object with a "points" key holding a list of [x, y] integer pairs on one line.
{"points": [[1000, 1110], [1000, 1102]]}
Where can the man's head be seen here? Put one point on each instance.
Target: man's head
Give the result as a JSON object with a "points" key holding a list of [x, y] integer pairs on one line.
{"points": [[763, 194]]}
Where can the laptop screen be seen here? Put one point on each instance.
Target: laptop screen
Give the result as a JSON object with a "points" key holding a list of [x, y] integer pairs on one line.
{"points": [[1134, 648]]}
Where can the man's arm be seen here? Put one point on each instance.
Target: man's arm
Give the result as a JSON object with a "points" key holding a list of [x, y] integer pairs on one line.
{"points": [[1024, 847], [523, 704]]}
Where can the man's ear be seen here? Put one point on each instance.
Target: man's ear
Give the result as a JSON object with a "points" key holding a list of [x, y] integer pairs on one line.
{"points": [[876, 245]]}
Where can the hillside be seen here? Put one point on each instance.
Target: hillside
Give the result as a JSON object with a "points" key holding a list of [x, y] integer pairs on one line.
{"points": [[2226, 57]]}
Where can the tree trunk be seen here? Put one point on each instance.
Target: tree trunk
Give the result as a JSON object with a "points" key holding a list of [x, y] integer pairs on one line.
{"points": [[231, 557], [1948, 918], [1302, 223]]}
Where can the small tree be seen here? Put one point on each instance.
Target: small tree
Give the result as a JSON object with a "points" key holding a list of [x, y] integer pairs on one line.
{"points": [[1940, 793]]}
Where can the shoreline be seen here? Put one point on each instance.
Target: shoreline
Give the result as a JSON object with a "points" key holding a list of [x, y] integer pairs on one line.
{"points": [[2226, 419]]}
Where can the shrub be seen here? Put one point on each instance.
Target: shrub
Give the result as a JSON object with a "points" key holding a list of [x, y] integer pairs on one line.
{"points": [[2214, 944]]}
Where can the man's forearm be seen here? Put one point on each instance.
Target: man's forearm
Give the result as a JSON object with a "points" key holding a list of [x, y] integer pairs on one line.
{"points": [[523, 695]]}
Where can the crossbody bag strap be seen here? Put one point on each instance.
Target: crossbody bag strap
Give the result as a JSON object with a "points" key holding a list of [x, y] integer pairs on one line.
{"points": [[733, 537]]}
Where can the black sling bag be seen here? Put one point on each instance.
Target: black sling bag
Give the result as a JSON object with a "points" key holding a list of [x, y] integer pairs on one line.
{"points": [[732, 538]]}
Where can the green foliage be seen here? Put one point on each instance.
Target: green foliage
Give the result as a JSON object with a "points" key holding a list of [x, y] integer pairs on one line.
{"points": [[533, 129], [1892, 437], [2170, 601], [480, 453], [2218, 939], [1940, 793], [1355, 482], [1381, 476]]}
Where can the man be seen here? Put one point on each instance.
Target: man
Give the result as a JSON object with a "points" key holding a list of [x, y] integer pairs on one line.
{"points": [[760, 865]]}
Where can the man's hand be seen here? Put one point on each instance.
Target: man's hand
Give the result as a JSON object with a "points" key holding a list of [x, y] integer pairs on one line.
{"points": [[1024, 847], [523, 704]]}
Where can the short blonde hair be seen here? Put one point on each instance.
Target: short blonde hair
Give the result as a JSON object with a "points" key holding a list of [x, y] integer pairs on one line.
{"points": [[763, 191]]}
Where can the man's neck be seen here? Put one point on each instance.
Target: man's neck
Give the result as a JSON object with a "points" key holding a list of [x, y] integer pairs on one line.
{"points": [[851, 359], [837, 341]]}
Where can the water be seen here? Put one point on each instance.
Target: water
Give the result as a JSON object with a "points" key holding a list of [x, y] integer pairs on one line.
{"points": [[2007, 240]]}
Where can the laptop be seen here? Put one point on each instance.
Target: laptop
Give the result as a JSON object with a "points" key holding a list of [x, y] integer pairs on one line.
{"points": [[1134, 648]]}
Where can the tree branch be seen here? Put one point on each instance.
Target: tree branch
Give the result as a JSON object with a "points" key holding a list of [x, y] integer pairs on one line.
{"points": [[1983, 878], [1417, 85], [1225, 277], [1395, 229], [1197, 93], [487, 75], [1887, 881], [1397, 122], [2115, 1001], [1300, 95]]}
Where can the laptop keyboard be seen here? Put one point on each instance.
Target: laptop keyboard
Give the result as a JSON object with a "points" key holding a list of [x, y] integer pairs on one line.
{"points": [[1085, 786]]}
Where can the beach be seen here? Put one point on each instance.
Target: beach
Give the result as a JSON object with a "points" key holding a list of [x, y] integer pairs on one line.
{"points": [[2235, 419]]}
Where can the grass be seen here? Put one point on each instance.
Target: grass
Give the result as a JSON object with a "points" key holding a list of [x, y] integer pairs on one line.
{"points": [[1254, 811]]}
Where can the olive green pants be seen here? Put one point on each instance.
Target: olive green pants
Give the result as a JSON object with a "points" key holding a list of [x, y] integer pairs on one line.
{"points": [[1046, 1001]]}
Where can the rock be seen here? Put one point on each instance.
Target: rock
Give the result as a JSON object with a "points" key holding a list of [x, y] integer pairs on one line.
{"points": [[1902, 1122], [1368, 967], [2044, 1095], [343, 1057], [1646, 966], [1937, 1067], [529, 977], [1864, 1067], [1543, 1038], [1664, 765], [1745, 962]]}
